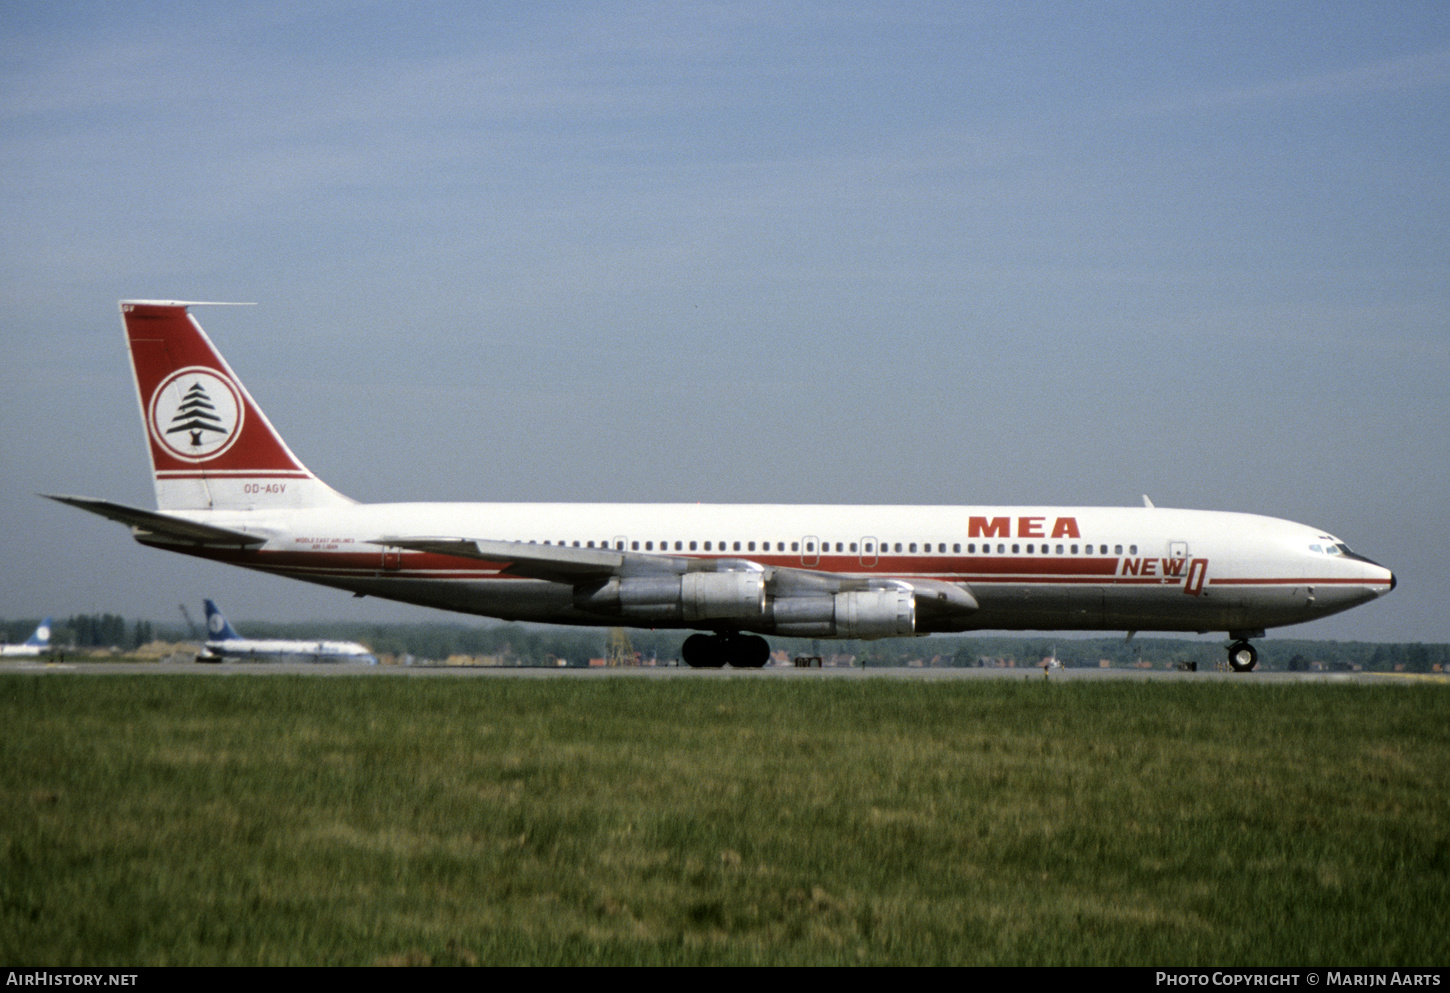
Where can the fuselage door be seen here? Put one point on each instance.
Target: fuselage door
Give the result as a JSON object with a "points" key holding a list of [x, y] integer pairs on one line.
{"points": [[1177, 558], [868, 551], [810, 551]]}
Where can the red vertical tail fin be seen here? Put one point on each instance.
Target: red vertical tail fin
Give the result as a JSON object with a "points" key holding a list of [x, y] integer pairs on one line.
{"points": [[211, 446]]}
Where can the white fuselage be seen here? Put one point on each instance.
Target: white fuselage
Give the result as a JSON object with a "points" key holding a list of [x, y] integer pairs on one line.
{"points": [[275, 650], [1082, 568]]}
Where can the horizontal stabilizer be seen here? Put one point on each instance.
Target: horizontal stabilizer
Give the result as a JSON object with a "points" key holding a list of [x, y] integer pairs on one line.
{"points": [[147, 524]]}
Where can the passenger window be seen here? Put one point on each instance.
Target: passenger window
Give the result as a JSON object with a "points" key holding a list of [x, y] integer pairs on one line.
{"points": [[913, 546], [957, 548]]}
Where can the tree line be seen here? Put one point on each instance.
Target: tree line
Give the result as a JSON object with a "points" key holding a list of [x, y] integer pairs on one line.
{"points": [[522, 644]]}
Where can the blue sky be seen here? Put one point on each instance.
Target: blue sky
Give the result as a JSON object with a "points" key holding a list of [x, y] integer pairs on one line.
{"points": [[858, 253]]}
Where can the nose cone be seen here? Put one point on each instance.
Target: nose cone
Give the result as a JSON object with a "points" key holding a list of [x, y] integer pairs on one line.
{"points": [[1377, 579], [1380, 580]]}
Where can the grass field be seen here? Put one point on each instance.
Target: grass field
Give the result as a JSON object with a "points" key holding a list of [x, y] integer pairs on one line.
{"points": [[147, 820]]}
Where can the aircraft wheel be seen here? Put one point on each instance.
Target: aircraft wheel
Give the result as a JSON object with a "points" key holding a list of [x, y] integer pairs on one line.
{"points": [[1242, 657], [750, 651], [703, 651]]}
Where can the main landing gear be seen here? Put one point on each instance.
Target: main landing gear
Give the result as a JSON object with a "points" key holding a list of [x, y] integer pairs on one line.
{"points": [[1242, 657], [711, 651]]}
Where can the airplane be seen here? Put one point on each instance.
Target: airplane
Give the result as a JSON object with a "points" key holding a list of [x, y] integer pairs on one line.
{"points": [[31, 647], [229, 489], [226, 645]]}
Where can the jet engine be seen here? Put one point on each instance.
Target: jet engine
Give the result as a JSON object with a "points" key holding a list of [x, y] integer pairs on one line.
{"points": [[695, 596], [867, 614]]}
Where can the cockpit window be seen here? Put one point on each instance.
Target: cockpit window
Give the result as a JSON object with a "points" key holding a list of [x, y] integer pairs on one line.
{"points": [[1316, 548]]}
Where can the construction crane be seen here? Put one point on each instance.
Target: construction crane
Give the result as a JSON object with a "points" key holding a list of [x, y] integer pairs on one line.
{"points": [[195, 631]]}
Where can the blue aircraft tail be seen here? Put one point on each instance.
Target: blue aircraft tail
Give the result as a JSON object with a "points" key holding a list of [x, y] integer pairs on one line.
{"points": [[217, 628], [41, 637]]}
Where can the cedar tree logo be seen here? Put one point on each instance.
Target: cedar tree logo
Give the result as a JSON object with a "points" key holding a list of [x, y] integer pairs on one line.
{"points": [[195, 414]]}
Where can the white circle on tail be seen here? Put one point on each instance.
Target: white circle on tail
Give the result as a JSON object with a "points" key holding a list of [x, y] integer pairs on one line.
{"points": [[195, 414]]}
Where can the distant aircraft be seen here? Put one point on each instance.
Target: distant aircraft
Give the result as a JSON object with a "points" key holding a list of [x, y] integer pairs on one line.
{"points": [[225, 645], [229, 489], [34, 645]]}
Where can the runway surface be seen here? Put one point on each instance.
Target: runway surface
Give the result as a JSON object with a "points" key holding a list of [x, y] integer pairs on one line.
{"points": [[942, 674]]}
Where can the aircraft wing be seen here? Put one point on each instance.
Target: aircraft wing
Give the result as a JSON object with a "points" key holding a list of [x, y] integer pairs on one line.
{"points": [[582, 566], [149, 526], [562, 564]]}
